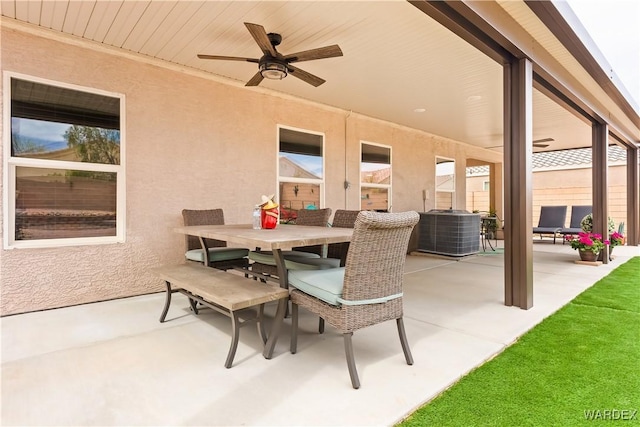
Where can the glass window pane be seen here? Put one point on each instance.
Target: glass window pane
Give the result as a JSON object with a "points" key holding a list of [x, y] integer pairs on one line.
{"points": [[376, 154], [58, 203], [55, 123], [295, 196], [300, 154], [445, 175], [375, 166], [373, 173], [444, 200], [374, 199]]}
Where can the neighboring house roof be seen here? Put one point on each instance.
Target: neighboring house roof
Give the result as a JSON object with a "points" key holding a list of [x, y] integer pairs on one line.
{"points": [[289, 167], [380, 176], [562, 159]]}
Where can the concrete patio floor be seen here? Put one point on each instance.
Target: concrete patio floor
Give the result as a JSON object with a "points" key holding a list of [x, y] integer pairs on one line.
{"points": [[113, 363]]}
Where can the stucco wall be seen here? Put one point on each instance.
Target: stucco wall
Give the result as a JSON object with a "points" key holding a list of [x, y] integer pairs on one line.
{"points": [[194, 142]]}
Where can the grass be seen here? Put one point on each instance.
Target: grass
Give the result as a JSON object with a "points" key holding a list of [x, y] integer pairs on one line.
{"points": [[585, 357]]}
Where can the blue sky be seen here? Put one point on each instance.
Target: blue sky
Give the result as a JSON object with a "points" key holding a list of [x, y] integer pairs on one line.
{"points": [[614, 25]]}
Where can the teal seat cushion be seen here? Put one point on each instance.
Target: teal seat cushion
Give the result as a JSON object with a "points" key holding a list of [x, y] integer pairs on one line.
{"points": [[293, 263], [325, 285], [217, 254], [266, 257], [321, 263]]}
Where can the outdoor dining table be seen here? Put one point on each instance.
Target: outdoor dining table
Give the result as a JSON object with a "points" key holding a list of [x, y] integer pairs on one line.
{"points": [[283, 237]]}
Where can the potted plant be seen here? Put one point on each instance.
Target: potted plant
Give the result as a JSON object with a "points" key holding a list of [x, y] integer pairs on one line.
{"points": [[615, 239], [589, 245], [587, 224]]}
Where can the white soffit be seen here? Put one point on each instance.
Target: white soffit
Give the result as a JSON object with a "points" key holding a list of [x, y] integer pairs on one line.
{"points": [[578, 76]]}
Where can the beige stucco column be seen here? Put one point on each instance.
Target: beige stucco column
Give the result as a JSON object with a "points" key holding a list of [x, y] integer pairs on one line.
{"points": [[496, 189]]}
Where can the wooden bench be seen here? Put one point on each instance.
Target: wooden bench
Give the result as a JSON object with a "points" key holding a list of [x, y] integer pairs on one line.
{"points": [[226, 293]]}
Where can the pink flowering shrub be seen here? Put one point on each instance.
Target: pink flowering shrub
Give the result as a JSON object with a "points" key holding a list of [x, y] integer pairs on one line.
{"points": [[584, 241]]}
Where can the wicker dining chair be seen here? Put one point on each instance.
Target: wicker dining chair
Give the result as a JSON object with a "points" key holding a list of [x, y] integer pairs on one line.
{"points": [[367, 290], [219, 255], [336, 252], [263, 261]]}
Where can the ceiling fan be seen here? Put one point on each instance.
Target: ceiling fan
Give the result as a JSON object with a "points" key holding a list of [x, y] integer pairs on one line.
{"points": [[541, 143], [274, 65]]}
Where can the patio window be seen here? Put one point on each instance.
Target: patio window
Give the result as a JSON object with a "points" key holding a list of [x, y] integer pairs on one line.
{"points": [[375, 177], [64, 166], [445, 183], [300, 171]]}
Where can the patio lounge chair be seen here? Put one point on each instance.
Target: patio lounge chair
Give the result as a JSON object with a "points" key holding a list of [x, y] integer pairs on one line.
{"points": [[552, 219], [577, 213], [219, 255], [263, 261], [367, 290]]}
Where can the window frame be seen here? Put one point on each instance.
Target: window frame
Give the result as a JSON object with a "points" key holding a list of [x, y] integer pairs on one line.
{"points": [[11, 163], [388, 187], [280, 179]]}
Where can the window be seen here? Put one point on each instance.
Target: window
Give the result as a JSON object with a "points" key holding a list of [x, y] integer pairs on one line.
{"points": [[445, 183], [300, 171], [375, 177], [64, 166]]}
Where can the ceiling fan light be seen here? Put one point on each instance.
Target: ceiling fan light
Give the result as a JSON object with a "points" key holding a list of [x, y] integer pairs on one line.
{"points": [[273, 70]]}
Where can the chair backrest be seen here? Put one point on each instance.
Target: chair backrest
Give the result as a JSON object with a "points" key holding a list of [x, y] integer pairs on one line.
{"points": [[577, 213], [314, 217], [377, 254], [341, 219], [552, 216], [202, 217]]}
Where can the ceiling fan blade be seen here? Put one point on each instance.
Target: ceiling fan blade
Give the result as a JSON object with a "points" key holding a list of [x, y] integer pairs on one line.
{"points": [[260, 36], [255, 80], [540, 143], [304, 76], [228, 58], [535, 141], [319, 53]]}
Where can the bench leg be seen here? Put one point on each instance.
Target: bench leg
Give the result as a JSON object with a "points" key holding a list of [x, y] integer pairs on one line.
{"points": [[235, 334], [194, 305], [167, 303], [275, 328]]}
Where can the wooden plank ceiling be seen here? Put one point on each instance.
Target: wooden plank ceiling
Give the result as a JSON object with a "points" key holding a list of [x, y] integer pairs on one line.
{"points": [[398, 65]]}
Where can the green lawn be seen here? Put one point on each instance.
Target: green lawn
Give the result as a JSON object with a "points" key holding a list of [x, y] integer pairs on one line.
{"points": [[579, 366]]}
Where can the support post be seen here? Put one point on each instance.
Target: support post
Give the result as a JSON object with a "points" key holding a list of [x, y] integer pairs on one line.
{"points": [[599, 170], [518, 153], [633, 197]]}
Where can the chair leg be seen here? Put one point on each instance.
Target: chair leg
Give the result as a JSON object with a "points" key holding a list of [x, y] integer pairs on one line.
{"points": [[294, 328], [320, 325], [351, 362], [404, 342], [260, 321]]}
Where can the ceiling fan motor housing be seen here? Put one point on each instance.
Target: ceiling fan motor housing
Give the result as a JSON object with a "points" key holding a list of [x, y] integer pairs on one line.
{"points": [[275, 39]]}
